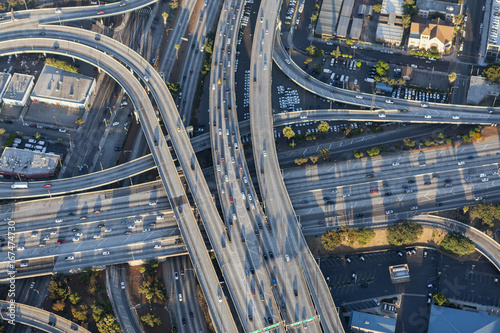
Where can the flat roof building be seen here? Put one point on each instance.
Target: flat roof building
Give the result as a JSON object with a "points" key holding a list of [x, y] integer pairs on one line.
{"points": [[343, 26], [23, 163], [391, 34], [445, 319], [367, 322], [493, 41], [365, 10], [392, 6], [59, 87], [356, 27], [399, 273], [4, 81], [347, 8], [448, 9], [328, 18], [18, 89]]}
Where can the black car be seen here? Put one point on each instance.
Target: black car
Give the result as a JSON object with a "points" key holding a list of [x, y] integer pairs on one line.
{"points": [[128, 232], [330, 202], [326, 198], [360, 215], [371, 175], [271, 255], [364, 285], [411, 181], [265, 256], [427, 183], [183, 321], [295, 292], [250, 317], [252, 270], [439, 204], [388, 194]]}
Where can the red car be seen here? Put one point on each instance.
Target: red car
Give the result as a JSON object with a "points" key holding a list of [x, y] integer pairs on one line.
{"points": [[231, 199], [374, 191], [448, 180], [100, 12], [191, 72], [191, 315], [61, 241], [97, 211], [47, 185]]}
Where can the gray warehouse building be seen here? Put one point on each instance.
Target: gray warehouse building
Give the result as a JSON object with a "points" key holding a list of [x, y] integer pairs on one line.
{"points": [[59, 87], [4, 81], [356, 26], [18, 89], [328, 18]]}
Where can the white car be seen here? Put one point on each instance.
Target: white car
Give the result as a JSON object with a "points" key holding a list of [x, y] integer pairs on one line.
{"points": [[265, 153], [461, 163], [108, 230], [381, 115], [484, 179], [424, 105], [105, 253], [20, 248], [59, 220], [427, 116], [176, 275], [455, 117], [359, 97], [97, 236], [35, 234], [78, 234], [152, 203], [376, 301], [69, 258], [76, 239], [24, 264], [395, 163], [139, 220], [345, 195], [388, 101], [123, 285], [146, 229], [159, 217], [158, 246], [132, 226]]}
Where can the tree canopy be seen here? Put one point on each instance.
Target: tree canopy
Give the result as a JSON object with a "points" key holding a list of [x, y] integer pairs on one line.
{"points": [[403, 233], [381, 68], [334, 238], [487, 213], [492, 73], [323, 127], [288, 132], [457, 244]]}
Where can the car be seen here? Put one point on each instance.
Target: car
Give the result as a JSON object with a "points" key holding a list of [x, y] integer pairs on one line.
{"points": [[69, 258], [364, 285], [381, 115], [438, 204], [429, 286], [191, 315], [61, 241], [264, 255], [32, 285], [152, 203], [388, 194], [348, 260], [485, 179], [455, 117], [345, 195], [180, 297], [333, 191], [376, 301], [287, 257], [389, 211], [370, 175], [374, 191], [51, 323], [47, 185], [427, 116], [359, 97], [97, 236], [122, 285], [414, 208], [395, 163], [20, 248], [411, 181], [105, 253], [146, 229], [362, 258], [461, 163], [360, 215], [100, 12], [59, 220], [183, 319], [34, 234], [424, 105], [24, 264], [83, 217], [448, 180], [388, 101]]}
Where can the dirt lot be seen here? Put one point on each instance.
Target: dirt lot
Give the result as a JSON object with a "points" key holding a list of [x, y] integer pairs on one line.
{"points": [[430, 237]]}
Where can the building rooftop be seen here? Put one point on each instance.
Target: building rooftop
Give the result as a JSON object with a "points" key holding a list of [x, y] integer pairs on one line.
{"points": [[356, 27], [328, 17], [342, 26], [493, 38], [4, 80], [434, 30], [18, 86], [372, 323], [444, 319], [61, 85], [347, 8], [439, 6], [386, 32], [392, 6], [27, 163]]}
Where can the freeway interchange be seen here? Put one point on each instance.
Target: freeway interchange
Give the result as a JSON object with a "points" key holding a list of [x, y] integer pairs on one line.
{"points": [[251, 234]]}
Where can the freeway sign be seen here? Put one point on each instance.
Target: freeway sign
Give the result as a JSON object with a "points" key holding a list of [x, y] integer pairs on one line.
{"points": [[302, 322], [266, 328]]}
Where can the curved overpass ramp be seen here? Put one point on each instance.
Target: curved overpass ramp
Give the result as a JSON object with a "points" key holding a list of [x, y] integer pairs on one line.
{"points": [[74, 47], [38, 318]]}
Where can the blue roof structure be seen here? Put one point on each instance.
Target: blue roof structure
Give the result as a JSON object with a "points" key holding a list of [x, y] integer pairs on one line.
{"points": [[451, 320], [384, 87], [372, 323]]}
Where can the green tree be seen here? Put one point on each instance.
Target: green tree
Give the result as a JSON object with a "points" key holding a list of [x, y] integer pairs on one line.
{"points": [[58, 288], [319, 53], [349, 42], [492, 73], [174, 88], [2, 131], [458, 19], [314, 158], [301, 160], [403, 233], [317, 68], [365, 235], [440, 299], [79, 121], [288, 132], [80, 312], [325, 153], [452, 77], [3, 7], [406, 21], [324, 127], [307, 61], [428, 143], [487, 213], [151, 319], [37, 135], [108, 324], [381, 68], [441, 136], [75, 298], [358, 154], [448, 140], [331, 239], [373, 151], [377, 8], [65, 66], [358, 64], [409, 143], [311, 50], [466, 138], [58, 305], [457, 243]]}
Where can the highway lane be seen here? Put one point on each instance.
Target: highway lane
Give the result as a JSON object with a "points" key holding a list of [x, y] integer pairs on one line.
{"points": [[160, 151], [38, 318], [371, 101], [238, 200], [120, 300], [298, 274]]}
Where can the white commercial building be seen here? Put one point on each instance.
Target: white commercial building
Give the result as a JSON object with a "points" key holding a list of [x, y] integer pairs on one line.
{"points": [[59, 87], [392, 6], [4, 81], [18, 89], [448, 9]]}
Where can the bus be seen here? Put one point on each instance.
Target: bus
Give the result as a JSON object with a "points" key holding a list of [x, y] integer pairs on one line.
{"points": [[19, 185]]}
